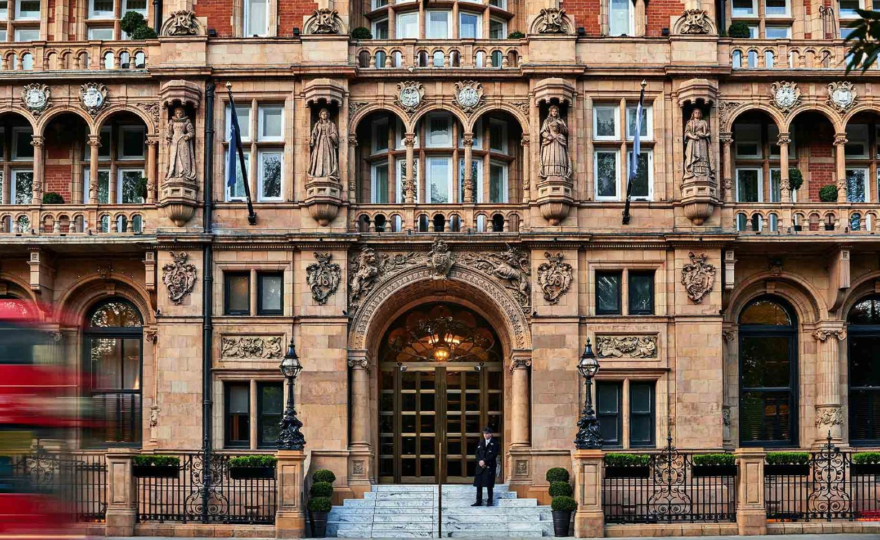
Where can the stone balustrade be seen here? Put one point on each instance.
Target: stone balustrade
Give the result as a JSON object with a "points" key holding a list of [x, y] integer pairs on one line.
{"points": [[783, 54], [62, 220], [397, 218], [805, 218], [76, 55], [471, 54]]}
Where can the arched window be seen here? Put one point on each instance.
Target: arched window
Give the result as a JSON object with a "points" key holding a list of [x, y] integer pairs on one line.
{"points": [[864, 372], [768, 373], [113, 362]]}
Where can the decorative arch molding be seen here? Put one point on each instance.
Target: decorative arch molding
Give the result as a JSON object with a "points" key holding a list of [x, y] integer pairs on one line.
{"points": [[359, 112], [19, 287], [736, 112], [75, 303], [859, 108], [514, 111], [805, 299], [829, 113], [24, 113], [435, 107], [104, 115], [57, 110], [418, 282], [858, 290]]}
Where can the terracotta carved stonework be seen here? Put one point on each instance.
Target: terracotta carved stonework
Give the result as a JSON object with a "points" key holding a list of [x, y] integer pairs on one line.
{"points": [[468, 95], [324, 145], [698, 277], [842, 95], [786, 95], [181, 23], [179, 277], [324, 21], [554, 277], [35, 97], [440, 259], [694, 21], [822, 334], [555, 162], [410, 95], [93, 97], [511, 266], [698, 151], [551, 21], [725, 109], [367, 269], [828, 417], [251, 347], [626, 346], [181, 148], [323, 277]]}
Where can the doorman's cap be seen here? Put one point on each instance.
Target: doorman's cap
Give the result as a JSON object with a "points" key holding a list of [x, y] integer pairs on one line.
{"points": [[487, 429]]}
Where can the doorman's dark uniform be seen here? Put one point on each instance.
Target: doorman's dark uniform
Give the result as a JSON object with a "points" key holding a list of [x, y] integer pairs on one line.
{"points": [[487, 451]]}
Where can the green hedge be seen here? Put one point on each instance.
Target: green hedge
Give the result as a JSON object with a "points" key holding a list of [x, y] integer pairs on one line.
{"points": [[323, 475], [319, 504], [557, 474], [866, 458], [157, 461], [788, 458], [135, 25], [361, 32], [321, 489], [714, 459], [828, 193], [253, 461], [516, 35], [52, 198], [739, 30], [563, 504], [560, 489], [627, 460]]}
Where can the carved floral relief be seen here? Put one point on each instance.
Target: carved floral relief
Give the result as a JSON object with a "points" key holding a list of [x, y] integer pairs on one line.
{"points": [[626, 346], [251, 347]]}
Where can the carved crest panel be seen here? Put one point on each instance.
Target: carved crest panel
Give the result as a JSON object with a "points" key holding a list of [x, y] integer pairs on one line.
{"points": [[323, 277], [698, 277], [93, 97], [554, 277], [179, 277], [842, 95], [410, 95], [35, 97], [786, 95], [468, 95]]}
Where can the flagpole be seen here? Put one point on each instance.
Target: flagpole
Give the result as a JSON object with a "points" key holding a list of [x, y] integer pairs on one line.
{"points": [[252, 216], [633, 169]]}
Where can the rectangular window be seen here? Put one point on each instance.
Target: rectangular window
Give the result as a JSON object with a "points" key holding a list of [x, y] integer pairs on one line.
{"points": [[270, 293], [238, 415], [238, 293], [244, 122], [607, 174], [407, 26], [775, 185], [376, 4], [380, 29], [497, 30], [848, 8], [22, 186], [748, 141], [776, 8], [497, 182], [237, 192], [271, 123], [27, 10], [856, 141], [641, 292], [744, 8], [857, 185], [498, 3], [270, 407], [778, 32], [845, 32], [132, 140], [646, 127], [4, 12], [605, 123], [103, 185], [401, 176], [608, 293], [470, 25], [620, 18], [437, 25], [380, 135], [643, 182], [129, 184], [134, 5], [102, 34], [608, 402], [477, 175], [271, 167], [439, 131], [21, 144], [379, 183], [641, 414], [498, 136], [101, 9], [3, 35], [256, 18], [749, 187], [773, 139], [439, 171]]}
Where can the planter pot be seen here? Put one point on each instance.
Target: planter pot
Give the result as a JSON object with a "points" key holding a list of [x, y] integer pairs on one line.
{"points": [[701, 471], [786, 470], [866, 469], [627, 472], [319, 524], [248, 473], [561, 522], [155, 471]]}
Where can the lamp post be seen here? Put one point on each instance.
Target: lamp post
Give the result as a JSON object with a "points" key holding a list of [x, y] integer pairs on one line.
{"points": [[290, 438], [588, 436]]}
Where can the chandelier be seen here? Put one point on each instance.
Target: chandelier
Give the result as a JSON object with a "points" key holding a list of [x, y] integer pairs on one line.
{"points": [[441, 336]]}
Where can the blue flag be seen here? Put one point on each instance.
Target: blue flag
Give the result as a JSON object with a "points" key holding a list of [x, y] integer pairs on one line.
{"points": [[234, 145]]}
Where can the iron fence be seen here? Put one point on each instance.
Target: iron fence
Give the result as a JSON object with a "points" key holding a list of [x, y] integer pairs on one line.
{"points": [[187, 497], [670, 489], [78, 481]]}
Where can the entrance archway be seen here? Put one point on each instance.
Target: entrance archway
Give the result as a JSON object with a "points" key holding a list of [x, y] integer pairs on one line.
{"points": [[440, 382]]}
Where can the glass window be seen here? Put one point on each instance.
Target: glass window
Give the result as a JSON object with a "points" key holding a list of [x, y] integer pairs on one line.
{"points": [[775, 185], [4, 12], [645, 125], [380, 29], [27, 10], [620, 18], [856, 141], [439, 131], [607, 174], [857, 185], [608, 293], [134, 5], [608, 402], [99, 33], [271, 123], [470, 25], [379, 183], [131, 183], [237, 192], [256, 18], [270, 407], [641, 414], [744, 8], [437, 25], [748, 140], [748, 185], [605, 123], [380, 135], [238, 412], [777, 32], [497, 182], [497, 30], [238, 293], [244, 122], [132, 140], [845, 31], [103, 185], [401, 176], [498, 136], [641, 292], [101, 9], [270, 175], [439, 171], [22, 186], [848, 8], [643, 181], [270, 291], [22, 150], [773, 138], [407, 26], [775, 8], [476, 174]]}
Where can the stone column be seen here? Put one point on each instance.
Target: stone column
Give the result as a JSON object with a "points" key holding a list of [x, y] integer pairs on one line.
{"points": [[290, 518], [589, 521], [751, 515], [39, 173], [152, 173], [840, 162], [410, 183], [526, 176], [121, 492], [468, 142], [727, 166], [639, 17], [519, 367], [94, 150], [784, 187], [829, 415], [353, 167], [361, 452]]}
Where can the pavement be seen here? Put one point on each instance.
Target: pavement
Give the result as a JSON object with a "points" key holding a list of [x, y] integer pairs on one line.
{"points": [[781, 537]]}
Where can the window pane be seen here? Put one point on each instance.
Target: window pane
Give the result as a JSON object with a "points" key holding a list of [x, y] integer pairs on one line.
{"points": [[765, 312], [497, 31], [743, 8], [380, 184], [438, 178], [606, 121], [865, 361], [237, 294], [775, 7], [271, 406], [747, 185], [257, 17], [865, 312], [775, 185], [23, 148], [606, 174], [132, 143], [641, 292], [271, 122], [407, 26], [380, 29], [765, 416], [848, 8], [238, 414], [765, 361], [24, 185], [105, 34], [270, 175], [497, 183], [608, 411], [102, 7], [608, 292], [619, 19], [440, 133], [28, 9], [631, 123], [131, 364], [237, 191], [271, 287], [641, 432], [855, 185], [469, 26], [135, 5], [244, 123], [497, 137], [437, 25], [641, 181], [777, 32], [129, 181]]}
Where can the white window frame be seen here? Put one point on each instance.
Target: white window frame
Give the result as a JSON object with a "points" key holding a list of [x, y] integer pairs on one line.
{"points": [[13, 182], [752, 15], [867, 185], [260, 174], [429, 130], [374, 180], [87, 183], [15, 132], [849, 16], [773, 139], [120, 172], [787, 31], [744, 139], [503, 27], [93, 29], [505, 186], [398, 26], [616, 196], [261, 110], [760, 182], [399, 197], [649, 122], [245, 174], [785, 15], [20, 17], [98, 15], [478, 17], [630, 20], [375, 31], [4, 15], [616, 115], [244, 137], [144, 12], [857, 134], [650, 153], [246, 21], [429, 179], [504, 136], [377, 4], [429, 13], [376, 149], [500, 4], [18, 39], [121, 148]]}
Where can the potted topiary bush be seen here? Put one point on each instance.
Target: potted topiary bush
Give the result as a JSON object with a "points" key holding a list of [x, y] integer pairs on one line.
{"points": [[627, 465], [52, 198], [560, 489], [739, 30], [320, 494], [562, 507], [828, 193], [795, 179], [361, 33], [787, 464], [714, 465], [516, 35], [135, 26], [866, 463], [247, 467], [156, 466]]}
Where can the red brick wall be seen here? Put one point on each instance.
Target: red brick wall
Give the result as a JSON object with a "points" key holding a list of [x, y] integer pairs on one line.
{"points": [[219, 14], [57, 179], [291, 13], [817, 149], [59, 159], [659, 13], [584, 13]]}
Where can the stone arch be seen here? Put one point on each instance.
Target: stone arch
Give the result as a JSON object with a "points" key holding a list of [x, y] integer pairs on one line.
{"points": [[748, 107], [829, 113], [513, 111], [75, 303], [859, 108], [808, 304], [437, 107], [22, 113], [416, 285], [53, 112], [859, 289], [104, 115], [19, 288], [364, 112]]}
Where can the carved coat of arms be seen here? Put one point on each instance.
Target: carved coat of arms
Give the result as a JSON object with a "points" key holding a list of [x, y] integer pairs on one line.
{"points": [[786, 95], [323, 21], [842, 95], [180, 23], [554, 277], [35, 97], [698, 277], [468, 95], [440, 259], [410, 95], [179, 277], [323, 277], [93, 97]]}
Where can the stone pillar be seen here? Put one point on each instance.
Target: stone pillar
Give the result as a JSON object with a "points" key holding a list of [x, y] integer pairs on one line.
{"points": [[589, 521], [751, 515], [468, 142], [519, 368], [526, 178], [353, 166], [94, 150], [784, 187], [727, 166], [39, 173], [840, 162], [290, 518], [361, 456], [409, 185], [121, 492], [829, 415], [639, 16], [152, 147]]}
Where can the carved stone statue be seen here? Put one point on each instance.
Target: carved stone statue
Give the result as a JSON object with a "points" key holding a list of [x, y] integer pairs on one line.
{"points": [[181, 152], [554, 146], [324, 144], [698, 159]]}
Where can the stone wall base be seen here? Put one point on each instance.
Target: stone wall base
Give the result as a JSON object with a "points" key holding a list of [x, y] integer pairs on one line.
{"points": [[190, 530], [816, 527], [671, 529]]}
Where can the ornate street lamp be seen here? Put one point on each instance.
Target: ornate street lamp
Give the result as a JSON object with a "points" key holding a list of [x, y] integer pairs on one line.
{"points": [[290, 438], [588, 436]]}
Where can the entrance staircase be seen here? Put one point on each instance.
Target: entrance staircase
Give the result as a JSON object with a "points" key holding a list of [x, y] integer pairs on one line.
{"points": [[407, 511]]}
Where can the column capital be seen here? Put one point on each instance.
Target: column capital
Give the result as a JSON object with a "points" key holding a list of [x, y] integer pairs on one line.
{"points": [[784, 139], [94, 140], [525, 140], [409, 139], [36, 140], [726, 137], [352, 140], [359, 360], [467, 139], [823, 334], [152, 140], [840, 139], [520, 362]]}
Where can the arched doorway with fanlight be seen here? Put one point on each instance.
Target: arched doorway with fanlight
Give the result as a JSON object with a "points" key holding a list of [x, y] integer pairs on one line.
{"points": [[440, 384]]}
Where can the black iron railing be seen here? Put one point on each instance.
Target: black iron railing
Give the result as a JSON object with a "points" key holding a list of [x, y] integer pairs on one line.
{"points": [[78, 481], [669, 490], [229, 500]]}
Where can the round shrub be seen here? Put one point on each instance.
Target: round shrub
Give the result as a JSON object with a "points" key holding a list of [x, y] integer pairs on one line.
{"points": [[563, 504], [828, 193], [143, 32], [795, 179], [131, 21], [321, 489], [561, 489], [739, 30], [52, 198], [557, 474], [319, 504], [323, 475], [516, 35], [361, 33]]}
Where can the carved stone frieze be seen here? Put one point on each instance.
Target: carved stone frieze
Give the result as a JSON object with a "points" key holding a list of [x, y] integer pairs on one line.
{"points": [[842, 95], [324, 21], [410, 95], [93, 97], [785, 95], [828, 417], [440, 259], [323, 277], [510, 266], [355, 106], [251, 347], [698, 277], [181, 23], [824, 333], [367, 269], [179, 277], [554, 277], [36, 98], [626, 346], [725, 109], [468, 95], [152, 108]]}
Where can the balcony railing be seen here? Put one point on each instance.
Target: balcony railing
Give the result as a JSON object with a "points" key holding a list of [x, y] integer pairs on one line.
{"points": [[425, 218], [806, 218], [470, 54], [75, 55], [783, 54], [63, 220]]}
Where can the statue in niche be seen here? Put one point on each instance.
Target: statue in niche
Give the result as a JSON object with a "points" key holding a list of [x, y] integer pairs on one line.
{"points": [[697, 156], [324, 145], [554, 146], [181, 154]]}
